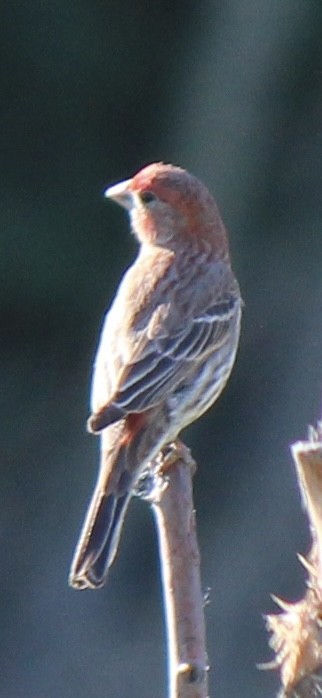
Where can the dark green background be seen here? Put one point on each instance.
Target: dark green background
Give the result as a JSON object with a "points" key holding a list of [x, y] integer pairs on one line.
{"points": [[90, 92]]}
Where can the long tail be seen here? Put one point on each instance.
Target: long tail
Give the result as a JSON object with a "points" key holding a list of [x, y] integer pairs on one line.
{"points": [[99, 539], [127, 447]]}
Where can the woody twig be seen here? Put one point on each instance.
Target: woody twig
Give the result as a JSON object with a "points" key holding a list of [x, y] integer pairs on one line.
{"points": [[172, 503]]}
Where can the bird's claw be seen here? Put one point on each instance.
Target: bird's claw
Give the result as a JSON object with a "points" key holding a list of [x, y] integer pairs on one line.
{"points": [[157, 470], [174, 452]]}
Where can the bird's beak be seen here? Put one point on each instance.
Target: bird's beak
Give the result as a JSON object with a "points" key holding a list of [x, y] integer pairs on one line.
{"points": [[121, 193]]}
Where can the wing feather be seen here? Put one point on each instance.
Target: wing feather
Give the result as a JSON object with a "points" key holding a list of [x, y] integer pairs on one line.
{"points": [[170, 359], [148, 346]]}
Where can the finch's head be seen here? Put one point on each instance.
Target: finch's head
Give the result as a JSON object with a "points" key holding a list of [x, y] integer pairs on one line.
{"points": [[168, 205]]}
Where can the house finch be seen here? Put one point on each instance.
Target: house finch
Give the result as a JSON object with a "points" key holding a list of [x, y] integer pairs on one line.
{"points": [[167, 346]]}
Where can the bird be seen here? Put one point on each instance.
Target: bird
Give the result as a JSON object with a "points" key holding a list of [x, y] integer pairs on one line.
{"points": [[166, 350]]}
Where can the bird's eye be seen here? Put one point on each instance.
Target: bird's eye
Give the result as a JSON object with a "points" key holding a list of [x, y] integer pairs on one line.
{"points": [[147, 197]]}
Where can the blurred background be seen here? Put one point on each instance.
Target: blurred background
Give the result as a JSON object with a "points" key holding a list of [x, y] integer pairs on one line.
{"points": [[90, 92]]}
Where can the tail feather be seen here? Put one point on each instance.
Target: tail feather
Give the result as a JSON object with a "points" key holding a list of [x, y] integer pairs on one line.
{"points": [[98, 541], [101, 531], [127, 446], [93, 536], [97, 573]]}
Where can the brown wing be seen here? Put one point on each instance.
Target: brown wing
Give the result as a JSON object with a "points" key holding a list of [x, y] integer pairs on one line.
{"points": [[195, 321], [148, 381]]}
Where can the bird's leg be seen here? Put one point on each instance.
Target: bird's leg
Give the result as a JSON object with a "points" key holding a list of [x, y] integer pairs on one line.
{"points": [[173, 452], [156, 471]]}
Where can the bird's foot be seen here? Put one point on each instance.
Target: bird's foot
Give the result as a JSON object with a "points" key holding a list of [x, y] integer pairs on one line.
{"points": [[155, 474], [174, 452]]}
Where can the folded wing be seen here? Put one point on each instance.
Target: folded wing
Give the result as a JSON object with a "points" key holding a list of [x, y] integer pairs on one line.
{"points": [[172, 337]]}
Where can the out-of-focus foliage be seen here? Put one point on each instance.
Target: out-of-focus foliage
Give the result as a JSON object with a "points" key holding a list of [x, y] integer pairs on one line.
{"points": [[90, 92]]}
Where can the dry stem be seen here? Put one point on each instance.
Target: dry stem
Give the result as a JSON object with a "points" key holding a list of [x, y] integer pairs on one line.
{"points": [[297, 632], [172, 504]]}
